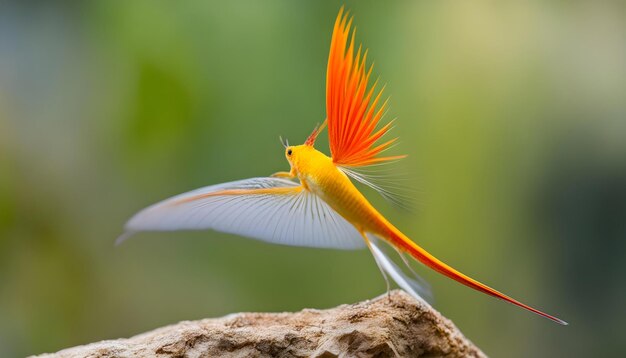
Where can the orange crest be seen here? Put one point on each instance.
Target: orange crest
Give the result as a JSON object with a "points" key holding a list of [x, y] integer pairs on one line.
{"points": [[313, 136], [352, 115]]}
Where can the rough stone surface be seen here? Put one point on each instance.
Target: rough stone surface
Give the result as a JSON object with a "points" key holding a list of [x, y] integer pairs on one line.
{"points": [[395, 326]]}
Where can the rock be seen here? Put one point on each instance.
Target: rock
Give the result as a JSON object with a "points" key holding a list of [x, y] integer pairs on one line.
{"points": [[387, 326]]}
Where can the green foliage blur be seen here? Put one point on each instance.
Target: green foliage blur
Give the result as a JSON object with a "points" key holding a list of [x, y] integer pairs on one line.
{"points": [[512, 114]]}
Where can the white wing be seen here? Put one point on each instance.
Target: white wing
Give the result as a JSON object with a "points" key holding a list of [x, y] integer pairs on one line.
{"points": [[290, 217]]}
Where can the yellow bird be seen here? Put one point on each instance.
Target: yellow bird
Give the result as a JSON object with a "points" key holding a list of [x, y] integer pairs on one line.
{"points": [[324, 208]]}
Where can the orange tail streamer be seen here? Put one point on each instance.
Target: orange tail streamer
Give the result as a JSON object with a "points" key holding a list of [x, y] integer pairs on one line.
{"points": [[404, 243]]}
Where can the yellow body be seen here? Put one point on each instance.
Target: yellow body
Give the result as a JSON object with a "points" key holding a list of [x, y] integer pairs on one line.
{"points": [[318, 174]]}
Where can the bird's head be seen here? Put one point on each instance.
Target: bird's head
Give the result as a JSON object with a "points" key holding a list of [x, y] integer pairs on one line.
{"points": [[299, 156]]}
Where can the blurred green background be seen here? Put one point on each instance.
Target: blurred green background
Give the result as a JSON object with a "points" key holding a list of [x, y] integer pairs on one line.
{"points": [[513, 116]]}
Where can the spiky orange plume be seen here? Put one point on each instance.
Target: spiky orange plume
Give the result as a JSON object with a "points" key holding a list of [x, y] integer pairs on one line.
{"points": [[352, 115], [313, 136]]}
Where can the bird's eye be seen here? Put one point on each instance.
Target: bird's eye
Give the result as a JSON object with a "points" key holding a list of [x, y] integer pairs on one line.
{"points": [[289, 152]]}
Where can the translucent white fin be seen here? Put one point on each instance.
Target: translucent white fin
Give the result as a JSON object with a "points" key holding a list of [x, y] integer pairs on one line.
{"points": [[411, 283], [290, 217], [387, 185]]}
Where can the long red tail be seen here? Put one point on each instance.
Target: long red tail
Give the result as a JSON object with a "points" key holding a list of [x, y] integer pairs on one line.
{"points": [[399, 239]]}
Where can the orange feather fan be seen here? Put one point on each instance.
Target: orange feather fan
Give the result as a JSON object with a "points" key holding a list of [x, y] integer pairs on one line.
{"points": [[352, 116]]}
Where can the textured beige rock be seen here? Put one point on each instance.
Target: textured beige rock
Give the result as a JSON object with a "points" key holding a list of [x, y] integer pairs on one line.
{"points": [[396, 326]]}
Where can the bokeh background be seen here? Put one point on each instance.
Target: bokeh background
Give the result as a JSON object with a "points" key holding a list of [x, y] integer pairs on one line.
{"points": [[513, 116]]}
